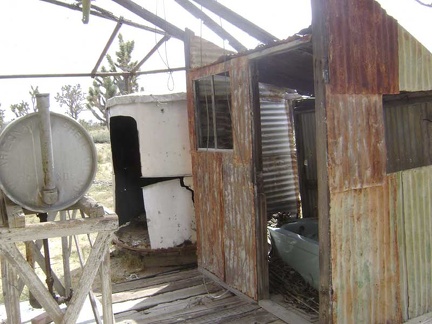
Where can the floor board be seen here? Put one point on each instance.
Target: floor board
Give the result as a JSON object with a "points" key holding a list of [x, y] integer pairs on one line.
{"points": [[183, 296]]}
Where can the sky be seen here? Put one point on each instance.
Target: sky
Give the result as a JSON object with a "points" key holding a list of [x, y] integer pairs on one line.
{"points": [[38, 37]]}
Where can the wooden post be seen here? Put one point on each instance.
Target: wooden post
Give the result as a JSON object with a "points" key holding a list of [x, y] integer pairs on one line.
{"points": [[11, 294], [321, 77], [105, 274]]}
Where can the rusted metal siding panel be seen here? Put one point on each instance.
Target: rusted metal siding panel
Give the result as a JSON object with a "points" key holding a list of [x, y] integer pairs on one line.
{"points": [[412, 193], [363, 48], [224, 189], [203, 52], [240, 229], [209, 211], [415, 63], [357, 153], [365, 271], [241, 111], [279, 152], [408, 136], [240, 219]]}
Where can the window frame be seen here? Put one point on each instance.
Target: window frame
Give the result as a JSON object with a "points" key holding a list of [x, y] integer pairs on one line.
{"points": [[200, 139]]}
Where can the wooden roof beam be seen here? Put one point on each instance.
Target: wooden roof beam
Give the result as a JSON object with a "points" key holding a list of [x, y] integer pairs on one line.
{"points": [[169, 28], [102, 13], [154, 49], [238, 21], [107, 46], [210, 23]]}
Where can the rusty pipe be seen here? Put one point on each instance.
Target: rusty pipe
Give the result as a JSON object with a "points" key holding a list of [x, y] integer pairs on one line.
{"points": [[49, 191]]}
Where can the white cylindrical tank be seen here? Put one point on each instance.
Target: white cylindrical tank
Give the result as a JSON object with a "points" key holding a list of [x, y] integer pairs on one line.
{"points": [[163, 133]]}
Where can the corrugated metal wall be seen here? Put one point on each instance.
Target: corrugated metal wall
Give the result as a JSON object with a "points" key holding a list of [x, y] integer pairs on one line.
{"points": [[415, 63], [357, 152], [363, 42], [363, 241], [411, 197], [364, 262], [278, 151], [380, 225]]}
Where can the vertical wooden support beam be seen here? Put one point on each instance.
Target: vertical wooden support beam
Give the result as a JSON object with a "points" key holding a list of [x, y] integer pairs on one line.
{"points": [[321, 77], [66, 256], [263, 285], [11, 295], [97, 253], [105, 274]]}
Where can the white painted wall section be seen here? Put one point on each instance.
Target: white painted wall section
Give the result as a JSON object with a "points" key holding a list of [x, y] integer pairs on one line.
{"points": [[170, 214]]}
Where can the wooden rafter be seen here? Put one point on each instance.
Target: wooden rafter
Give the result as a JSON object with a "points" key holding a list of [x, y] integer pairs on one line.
{"points": [[154, 49], [169, 28], [238, 21], [102, 13], [107, 46], [212, 24]]}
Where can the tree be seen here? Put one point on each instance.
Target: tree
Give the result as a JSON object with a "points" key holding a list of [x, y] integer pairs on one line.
{"points": [[33, 92], [129, 84], [20, 109], [73, 98], [23, 108], [105, 88]]}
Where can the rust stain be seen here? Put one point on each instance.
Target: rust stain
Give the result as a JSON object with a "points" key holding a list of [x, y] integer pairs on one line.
{"points": [[224, 191], [363, 48], [365, 271], [241, 110], [240, 229], [356, 148], [209, 211]]}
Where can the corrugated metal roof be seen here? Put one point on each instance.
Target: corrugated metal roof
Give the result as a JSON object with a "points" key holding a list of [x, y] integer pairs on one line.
{"points": [[415, 63], [411, 195], [365, 275]]}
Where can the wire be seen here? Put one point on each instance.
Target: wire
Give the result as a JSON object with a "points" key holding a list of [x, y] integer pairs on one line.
{"points": [[170, 81]]}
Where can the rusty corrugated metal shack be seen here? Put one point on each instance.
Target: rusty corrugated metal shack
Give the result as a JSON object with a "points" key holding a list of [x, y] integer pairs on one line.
{"points": [[372, 85]]}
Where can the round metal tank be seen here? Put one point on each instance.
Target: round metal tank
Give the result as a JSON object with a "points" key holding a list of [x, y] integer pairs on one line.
{"points": [[162, 123], [21, 170]]}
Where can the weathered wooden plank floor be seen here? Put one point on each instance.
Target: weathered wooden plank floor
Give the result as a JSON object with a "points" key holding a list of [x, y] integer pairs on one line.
{"points": [[183, 296]]}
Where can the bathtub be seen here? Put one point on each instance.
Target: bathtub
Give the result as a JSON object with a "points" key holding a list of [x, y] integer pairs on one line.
{"points": [[296, 243]]}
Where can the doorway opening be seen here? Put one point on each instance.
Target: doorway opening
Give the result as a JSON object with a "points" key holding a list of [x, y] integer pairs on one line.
{"points": [[129, 203], [287, 162]]}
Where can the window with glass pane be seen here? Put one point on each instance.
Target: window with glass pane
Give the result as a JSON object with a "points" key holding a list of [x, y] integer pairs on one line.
{"points": [[213, 112]]}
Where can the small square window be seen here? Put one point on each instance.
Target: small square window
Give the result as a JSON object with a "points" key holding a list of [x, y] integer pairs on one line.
{"points": [[213, 112], [408, 131]]}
